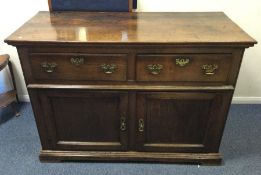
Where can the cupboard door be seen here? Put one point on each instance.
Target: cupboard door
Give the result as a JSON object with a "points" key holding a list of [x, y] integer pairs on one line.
{"points": [[78, 120], [181, 122]]}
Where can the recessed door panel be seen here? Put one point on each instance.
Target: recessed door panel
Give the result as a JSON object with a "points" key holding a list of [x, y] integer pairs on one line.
{"points": [[86, 120], [178, 122]]}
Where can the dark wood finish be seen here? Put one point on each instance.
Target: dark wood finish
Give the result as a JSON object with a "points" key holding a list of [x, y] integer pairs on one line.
{"points": [[13, 79], [85, 120], [7, 97], [79, 109], [131, 3], [89, 69], [214, 28], [127, 56], [50, 5], [200, 158], [130, 87], [179, 122], [192, 72], [4, 59]]}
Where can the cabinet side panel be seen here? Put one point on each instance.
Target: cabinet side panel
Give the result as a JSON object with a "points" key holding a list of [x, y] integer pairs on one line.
{"points": [[216, 124], [23, 53], [39, 118]]}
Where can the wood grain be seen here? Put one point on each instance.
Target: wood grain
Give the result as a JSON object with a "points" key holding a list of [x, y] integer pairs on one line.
{"points": [[209, 158], [179, 122], [3, 61], [131, 87], [79, 110], [50, 5], [192, 72], [90, 69], [7, 98], [151, 28]]}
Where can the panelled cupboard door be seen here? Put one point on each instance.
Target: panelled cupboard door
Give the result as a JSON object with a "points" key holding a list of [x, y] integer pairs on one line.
{"points": [[181, 121], [80, 120]]}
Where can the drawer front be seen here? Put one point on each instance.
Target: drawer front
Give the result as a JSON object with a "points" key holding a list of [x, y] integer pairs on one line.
{"points": [[71, 66], [184, 67]]}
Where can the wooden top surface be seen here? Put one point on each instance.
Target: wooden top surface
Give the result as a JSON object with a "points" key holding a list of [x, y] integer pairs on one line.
{"points": [[131, 28]]}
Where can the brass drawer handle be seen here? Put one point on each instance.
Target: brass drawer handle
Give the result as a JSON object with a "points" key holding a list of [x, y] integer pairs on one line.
{"points": [[77, 61], [123, 125], [154, 69], [48, 67], [108, 68], [141, 125], [181, 62], [209, 69]]}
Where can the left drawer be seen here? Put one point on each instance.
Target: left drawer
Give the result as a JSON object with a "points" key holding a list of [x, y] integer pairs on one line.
{"points": [[72, 66]]}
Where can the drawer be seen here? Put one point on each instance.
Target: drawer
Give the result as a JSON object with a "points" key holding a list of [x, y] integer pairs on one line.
{"points": [[70, 66], [183, 67]]}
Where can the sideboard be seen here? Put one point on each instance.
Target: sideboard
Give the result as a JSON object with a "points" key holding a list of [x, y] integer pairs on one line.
{"points": [[131, 86]]}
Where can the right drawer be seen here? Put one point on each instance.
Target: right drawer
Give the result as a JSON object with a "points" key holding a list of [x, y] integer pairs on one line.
{"points": [[183, 67]]}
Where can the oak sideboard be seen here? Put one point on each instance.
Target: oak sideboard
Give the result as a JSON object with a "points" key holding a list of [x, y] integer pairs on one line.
{"points": [[131, 86]]}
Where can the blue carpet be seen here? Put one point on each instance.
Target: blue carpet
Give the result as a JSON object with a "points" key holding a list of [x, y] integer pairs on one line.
{"points": [[241, 146]]}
